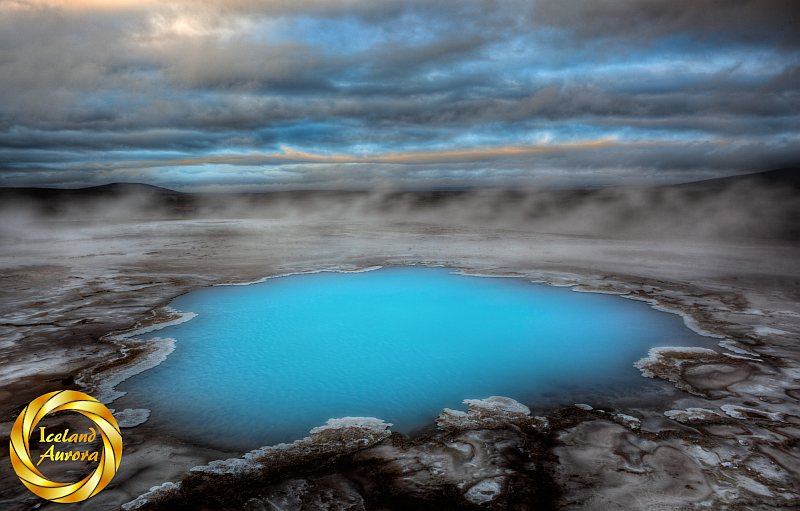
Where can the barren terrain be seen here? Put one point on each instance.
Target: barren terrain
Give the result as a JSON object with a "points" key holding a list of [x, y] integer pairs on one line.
{"points": [[723, 434]]}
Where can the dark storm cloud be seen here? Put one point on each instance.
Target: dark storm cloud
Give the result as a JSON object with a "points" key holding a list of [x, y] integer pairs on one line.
{"points": [[94, 91], [761, 22]]}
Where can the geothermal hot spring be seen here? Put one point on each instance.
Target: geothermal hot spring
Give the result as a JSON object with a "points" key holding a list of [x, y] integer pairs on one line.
{"points": [[264, 363]]}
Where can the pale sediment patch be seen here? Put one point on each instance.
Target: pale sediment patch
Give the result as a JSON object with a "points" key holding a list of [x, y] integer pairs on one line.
{"points": [[175, 317], [136, 356], [700, 371], [488, 274], [580, 288], [498, 404], [490, 412], [629, 421], [367, 423], [736, 348], [768, 331], [156, 493], [143, 355], [743, 412], [337, 436], [485, 491], [353, 269], [662, 360], [30, 365], [131, 417], [741, 357], [690, 415]]}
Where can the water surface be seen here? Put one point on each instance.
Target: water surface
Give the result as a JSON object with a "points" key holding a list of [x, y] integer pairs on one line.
{"points": [[266, 362]]}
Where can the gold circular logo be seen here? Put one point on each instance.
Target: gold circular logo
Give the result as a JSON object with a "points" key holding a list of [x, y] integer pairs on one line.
{"points": [[86, 405]]}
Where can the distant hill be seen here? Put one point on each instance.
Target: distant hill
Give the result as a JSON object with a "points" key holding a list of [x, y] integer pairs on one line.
{"points": [[788, 177], [136, 196], [110, 189]]}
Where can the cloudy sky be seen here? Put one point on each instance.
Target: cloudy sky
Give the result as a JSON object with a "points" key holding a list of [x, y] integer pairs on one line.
{"points": [[247, 94]]}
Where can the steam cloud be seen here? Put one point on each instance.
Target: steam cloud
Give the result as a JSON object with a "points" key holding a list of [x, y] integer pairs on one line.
{"points": [[761, 206]]}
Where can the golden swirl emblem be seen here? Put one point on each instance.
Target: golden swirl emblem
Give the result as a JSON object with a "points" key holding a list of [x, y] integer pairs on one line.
{"points": [[86, 405]]}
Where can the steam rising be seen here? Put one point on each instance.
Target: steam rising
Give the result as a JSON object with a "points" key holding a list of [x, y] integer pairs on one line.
{"points": [[750, 207]]}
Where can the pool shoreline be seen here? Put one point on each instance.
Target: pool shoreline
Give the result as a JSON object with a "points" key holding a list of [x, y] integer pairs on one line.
{"points": [[156, 349]]}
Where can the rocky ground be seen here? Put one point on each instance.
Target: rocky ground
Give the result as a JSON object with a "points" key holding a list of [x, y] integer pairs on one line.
{"points": [[726, 437]]}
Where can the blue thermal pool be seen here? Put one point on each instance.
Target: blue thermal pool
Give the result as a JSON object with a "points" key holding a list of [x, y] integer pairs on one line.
{"points": [[266, 362]]}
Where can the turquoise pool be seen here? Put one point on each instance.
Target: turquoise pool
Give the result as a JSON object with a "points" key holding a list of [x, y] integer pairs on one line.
{"points": [[266, 362]]}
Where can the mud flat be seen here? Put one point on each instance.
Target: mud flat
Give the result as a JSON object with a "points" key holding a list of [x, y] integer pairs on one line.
{"points": [[723, 433]]}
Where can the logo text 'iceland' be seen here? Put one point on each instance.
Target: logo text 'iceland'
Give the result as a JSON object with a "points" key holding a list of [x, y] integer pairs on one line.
{"points": [[66, 446]]}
